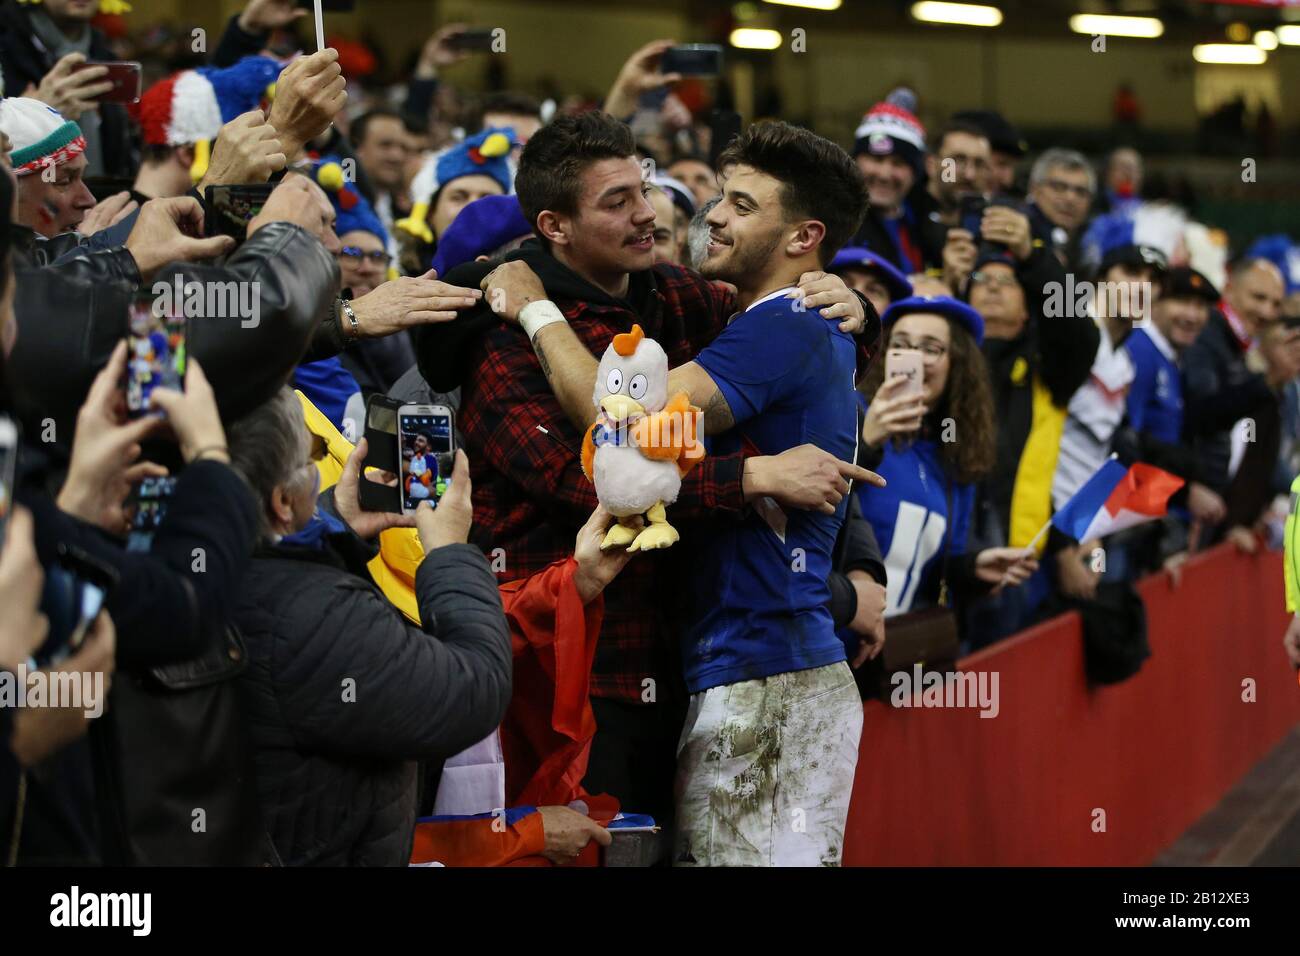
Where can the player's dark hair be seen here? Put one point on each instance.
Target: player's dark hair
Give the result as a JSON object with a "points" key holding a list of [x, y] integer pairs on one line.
{"points": [[819, 180]]}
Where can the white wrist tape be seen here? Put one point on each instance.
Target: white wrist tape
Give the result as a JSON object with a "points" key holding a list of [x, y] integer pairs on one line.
{"points": [[537, 315]]}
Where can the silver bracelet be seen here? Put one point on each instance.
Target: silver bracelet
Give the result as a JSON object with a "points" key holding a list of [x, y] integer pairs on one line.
{"points": [[354, 327]]}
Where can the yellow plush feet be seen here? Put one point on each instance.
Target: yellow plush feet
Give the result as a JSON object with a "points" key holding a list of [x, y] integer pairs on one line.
{"points": [[660, 534], [620, 534]]}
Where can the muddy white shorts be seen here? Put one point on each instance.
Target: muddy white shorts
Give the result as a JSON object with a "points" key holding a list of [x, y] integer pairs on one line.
{"points": [[765, 770]]}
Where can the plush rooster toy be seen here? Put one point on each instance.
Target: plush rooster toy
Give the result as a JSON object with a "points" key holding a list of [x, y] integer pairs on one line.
{"points": [[641, 444]]}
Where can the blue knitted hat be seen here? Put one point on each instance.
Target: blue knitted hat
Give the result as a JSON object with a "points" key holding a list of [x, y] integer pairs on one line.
{"points": [[241, 87], [352, 209], [484, 225], [483, 154]]}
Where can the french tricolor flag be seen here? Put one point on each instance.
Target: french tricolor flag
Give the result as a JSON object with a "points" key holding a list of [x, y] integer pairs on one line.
{"points": [[1115, 498]]}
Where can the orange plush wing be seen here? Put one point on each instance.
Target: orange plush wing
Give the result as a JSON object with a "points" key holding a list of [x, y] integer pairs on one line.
{"points": [[671, 434], [588, 453], [692, 447]]}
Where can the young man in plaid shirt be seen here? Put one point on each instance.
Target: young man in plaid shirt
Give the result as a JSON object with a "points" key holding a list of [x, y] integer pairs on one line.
{"points": [[582, 189]]}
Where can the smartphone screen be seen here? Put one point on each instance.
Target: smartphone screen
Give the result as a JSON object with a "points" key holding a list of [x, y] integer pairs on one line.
{"points": [[692, 59], [970, 213], [146, 509], [427, 450], [910, 364], [227, 210], [155, 352], [475, 39]]}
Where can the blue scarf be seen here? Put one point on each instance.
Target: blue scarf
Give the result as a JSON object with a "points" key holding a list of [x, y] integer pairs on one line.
{"points": [[313, 534]]}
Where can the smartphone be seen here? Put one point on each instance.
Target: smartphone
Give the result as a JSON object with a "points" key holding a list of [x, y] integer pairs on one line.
{"points": [[8, 466], [427, 449], [146, 507], [970, 211], [909, 363], [155, 351], [124, 75], [692, 59], [76, 587], [475, 39], [227, 210]]}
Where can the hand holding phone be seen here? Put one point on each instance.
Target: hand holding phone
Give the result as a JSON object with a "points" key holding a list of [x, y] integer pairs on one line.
{"points": [[227, 210], [450, 523], [473, 40], [122, 77], [908, 364], [364, 523], [897, 408], [155, 350]]}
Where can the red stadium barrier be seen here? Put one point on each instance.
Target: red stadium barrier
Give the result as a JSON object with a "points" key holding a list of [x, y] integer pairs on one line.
{"points": [[946, 787]]}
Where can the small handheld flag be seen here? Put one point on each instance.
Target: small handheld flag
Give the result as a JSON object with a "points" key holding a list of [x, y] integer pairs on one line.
{"points": [[1115, 498]]}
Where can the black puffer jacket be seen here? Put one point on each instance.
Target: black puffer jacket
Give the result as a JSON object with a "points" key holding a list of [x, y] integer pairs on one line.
{"points": [[344, 694]]}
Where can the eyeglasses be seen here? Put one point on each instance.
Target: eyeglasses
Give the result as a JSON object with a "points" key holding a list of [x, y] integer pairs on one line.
{"points": [[929, 348], [1061, 186], [992, 279], [378, 257]]}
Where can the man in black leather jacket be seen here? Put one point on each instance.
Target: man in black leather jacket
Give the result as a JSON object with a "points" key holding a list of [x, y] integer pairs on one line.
{"points": [[72, 313]]}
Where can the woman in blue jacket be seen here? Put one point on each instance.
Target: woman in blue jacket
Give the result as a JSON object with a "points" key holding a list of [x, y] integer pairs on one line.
{"points": [[932, 448]]}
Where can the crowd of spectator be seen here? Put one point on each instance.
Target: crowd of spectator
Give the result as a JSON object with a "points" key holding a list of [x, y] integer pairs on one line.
{"points": [[292, 677]]}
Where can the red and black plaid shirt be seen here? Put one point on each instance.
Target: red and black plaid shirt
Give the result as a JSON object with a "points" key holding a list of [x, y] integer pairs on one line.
{"points": [[531, 497]]}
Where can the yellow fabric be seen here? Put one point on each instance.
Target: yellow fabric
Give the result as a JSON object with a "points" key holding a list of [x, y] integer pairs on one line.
{"points": [[416, 223], [202, 157], [1031, 497], [400, 551], [1291, 549]]}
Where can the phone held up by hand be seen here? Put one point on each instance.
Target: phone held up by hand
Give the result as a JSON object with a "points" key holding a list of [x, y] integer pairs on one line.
{"points": [[155, 351], [908, 363], [124, 75], [427, 452]]}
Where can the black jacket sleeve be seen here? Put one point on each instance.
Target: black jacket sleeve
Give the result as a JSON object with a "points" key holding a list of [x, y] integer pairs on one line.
{"points": [[1215, 395], [236, 43], [418, 693], [165, 599], [419, 96], [1067, 344], [70, 321], [861, 550], [855, 550]]}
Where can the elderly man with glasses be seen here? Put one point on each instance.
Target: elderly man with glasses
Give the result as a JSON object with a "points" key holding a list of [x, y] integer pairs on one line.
{"points": [[1062, 185]]}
